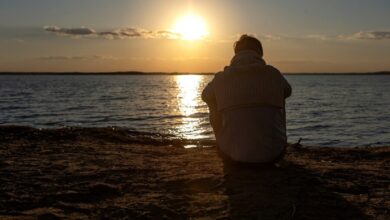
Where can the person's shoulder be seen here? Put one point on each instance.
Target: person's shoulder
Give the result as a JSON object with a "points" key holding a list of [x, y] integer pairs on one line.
{"points": [[272, 69], [222, 73]]}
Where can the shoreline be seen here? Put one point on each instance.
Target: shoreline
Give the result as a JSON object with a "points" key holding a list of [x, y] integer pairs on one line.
{"points": [[130, 135], [91, 173], [5, 73]]}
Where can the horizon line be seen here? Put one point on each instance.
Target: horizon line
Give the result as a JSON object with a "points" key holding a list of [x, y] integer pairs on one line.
{"points": [[385, 72]]}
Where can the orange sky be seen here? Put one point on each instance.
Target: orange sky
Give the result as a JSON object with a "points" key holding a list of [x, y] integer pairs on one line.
{"points": [[124, 35]]}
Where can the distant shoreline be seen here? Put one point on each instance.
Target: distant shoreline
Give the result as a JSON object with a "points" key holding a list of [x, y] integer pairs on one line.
{"points": [[172, 73]]}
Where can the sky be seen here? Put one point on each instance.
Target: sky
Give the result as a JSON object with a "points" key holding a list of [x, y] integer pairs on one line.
{"points": [[139, 35]]}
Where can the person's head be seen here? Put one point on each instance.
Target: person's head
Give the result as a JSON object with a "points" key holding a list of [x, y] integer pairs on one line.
{"points": [[247, 42]]}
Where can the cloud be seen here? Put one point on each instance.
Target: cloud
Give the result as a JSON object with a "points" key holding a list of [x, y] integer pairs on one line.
{"points": [[278, 37], [271, 37], [373, 35], [167, 34], [318, 37], [367, 35], [64, 58], [301, 62], [121, 33], [362, 35], [83, 31], [124, 33], [134, 32]]}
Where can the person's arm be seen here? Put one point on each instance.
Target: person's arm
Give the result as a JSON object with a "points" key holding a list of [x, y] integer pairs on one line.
{"points": [[208, 96], [287, 88]]}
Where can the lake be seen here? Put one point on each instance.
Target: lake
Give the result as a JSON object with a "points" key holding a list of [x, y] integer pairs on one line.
{"points": [[324, 110]]}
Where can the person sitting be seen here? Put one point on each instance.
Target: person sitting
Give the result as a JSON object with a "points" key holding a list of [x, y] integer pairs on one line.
{"points": [[247, 106]]}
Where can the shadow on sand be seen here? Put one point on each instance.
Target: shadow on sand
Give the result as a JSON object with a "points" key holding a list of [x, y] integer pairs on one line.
{"points": [[288, 192], [91, 174]]}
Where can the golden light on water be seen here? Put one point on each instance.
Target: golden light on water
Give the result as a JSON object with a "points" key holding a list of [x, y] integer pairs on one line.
{"points": [[187, 97], [188, 91], [191, 27]]}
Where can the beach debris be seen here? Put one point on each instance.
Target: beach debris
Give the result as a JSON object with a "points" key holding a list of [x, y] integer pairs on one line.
{"points": [[298, 144], [188, 146]]}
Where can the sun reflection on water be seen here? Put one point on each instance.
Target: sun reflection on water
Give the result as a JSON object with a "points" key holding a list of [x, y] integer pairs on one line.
{"points": [[188, 98]]}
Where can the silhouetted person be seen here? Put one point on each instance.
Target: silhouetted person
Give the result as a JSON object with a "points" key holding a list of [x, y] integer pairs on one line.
{"points": [[247, 106]]}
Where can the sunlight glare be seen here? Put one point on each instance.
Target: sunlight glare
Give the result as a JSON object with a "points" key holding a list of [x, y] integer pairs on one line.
{"points": [[188, 98], [191, 27], [188, 92]]}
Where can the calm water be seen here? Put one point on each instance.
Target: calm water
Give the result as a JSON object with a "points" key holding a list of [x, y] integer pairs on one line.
{"points": [[324, 110]]}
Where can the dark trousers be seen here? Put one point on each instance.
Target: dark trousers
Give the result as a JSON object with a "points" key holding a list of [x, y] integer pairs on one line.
{"points": [[230, 162]]}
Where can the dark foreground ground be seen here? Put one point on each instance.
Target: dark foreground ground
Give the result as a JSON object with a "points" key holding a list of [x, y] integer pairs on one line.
{"points": [[106, 173]]}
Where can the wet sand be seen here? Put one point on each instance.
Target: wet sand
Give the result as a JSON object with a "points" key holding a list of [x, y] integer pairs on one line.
{"points": [[108, 173]]}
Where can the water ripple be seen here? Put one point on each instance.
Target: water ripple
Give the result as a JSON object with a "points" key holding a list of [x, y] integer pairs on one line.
{"points": [[324, 110]]}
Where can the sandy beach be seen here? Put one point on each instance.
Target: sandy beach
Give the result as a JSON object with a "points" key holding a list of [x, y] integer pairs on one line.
{"points": [[106, 173]]}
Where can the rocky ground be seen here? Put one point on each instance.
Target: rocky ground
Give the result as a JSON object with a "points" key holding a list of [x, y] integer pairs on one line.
{"points": [[105, 173]]}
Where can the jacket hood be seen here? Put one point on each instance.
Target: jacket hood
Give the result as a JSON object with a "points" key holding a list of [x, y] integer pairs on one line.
{"points": [[246, 61], [248, 81]]}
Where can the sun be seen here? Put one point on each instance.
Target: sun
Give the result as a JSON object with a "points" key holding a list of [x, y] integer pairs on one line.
{"points": [[190, 27]]}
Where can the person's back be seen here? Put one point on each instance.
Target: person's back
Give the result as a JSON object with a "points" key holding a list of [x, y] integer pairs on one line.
{"points": [[247, 108]]}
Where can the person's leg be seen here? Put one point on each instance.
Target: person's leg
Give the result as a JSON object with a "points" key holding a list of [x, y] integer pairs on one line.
{"points": [[281, 155], [229, 162]]}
